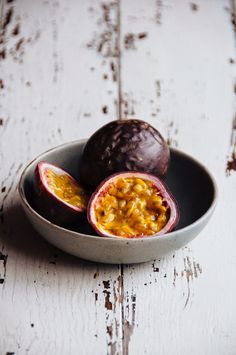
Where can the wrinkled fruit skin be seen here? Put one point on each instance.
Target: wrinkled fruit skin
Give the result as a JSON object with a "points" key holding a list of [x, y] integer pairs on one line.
{"points": [[51, 208], [125, 145]]}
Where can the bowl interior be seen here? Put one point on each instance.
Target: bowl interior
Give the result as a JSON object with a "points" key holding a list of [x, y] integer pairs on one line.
{"points": [[192, 187], [188, 181]]}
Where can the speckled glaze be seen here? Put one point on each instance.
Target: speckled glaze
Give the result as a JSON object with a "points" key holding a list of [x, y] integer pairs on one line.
{"points": [[186, 179], [124, 145]]}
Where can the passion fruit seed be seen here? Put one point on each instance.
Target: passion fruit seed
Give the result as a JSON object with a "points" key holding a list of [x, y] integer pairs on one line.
{"points": [[131, 207], [66, 189], [58, 197]]}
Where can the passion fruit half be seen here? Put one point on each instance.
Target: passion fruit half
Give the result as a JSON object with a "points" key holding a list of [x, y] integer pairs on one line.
{"points": [[132, 205], [124, 145], [58, 196]]}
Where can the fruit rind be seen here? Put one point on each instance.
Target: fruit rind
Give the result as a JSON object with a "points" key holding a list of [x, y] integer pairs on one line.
{"points": [[49, 205], [44, 165], [124, 145]]}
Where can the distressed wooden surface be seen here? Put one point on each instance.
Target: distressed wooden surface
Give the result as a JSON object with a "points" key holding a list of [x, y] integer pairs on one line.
{"points": [[66, 68]]}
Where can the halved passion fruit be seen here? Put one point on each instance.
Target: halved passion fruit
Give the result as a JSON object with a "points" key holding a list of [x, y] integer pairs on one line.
{"points": [[58, 196], [132, 205]]}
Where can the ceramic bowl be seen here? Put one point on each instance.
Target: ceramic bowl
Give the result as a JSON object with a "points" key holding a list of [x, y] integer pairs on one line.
{"points": [[190, 182]]}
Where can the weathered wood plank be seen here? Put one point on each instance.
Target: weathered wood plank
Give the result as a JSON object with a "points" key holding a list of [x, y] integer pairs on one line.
{"points": [[57, 83], [178, 72]]}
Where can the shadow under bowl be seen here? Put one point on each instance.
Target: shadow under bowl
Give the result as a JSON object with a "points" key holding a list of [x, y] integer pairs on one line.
{"points": [[190, 182]]}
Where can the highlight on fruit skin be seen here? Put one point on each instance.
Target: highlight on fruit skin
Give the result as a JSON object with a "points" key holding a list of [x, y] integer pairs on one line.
{"points": [[58, 196], [124, 145], [132, 205]]}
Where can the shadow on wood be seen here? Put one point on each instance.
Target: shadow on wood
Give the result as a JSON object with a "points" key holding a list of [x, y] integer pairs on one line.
{"points": [[18, 235]]}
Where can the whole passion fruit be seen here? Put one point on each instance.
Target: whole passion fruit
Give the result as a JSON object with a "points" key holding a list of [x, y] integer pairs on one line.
{"points": [[132, 205], [125, 145], [58, 196]]}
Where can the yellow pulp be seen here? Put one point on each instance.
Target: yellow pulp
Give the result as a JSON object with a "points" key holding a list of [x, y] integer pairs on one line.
{"points": [[66, 189], [131, 207]]}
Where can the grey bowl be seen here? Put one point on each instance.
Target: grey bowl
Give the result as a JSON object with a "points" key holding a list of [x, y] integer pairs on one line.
{"points": [[190, 182]]}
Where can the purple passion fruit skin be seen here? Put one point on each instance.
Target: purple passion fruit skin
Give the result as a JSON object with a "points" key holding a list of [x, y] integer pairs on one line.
{"points": [[124, 145], [132, 205], [54, 195]]}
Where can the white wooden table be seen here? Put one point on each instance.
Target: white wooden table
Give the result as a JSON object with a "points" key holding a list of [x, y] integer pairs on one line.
{"points": [[67, 68]]}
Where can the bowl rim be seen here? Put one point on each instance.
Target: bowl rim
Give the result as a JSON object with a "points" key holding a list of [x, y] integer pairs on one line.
{"points": [[168, 236]]}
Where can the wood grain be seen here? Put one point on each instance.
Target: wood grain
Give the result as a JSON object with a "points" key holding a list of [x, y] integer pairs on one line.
{"points": [[53, 90], [179, 77], [66, 68]]}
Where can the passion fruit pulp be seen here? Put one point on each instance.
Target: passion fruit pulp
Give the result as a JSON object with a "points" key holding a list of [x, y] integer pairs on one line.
{"points": [[58, 196], [132, 205], [124, 145]]}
